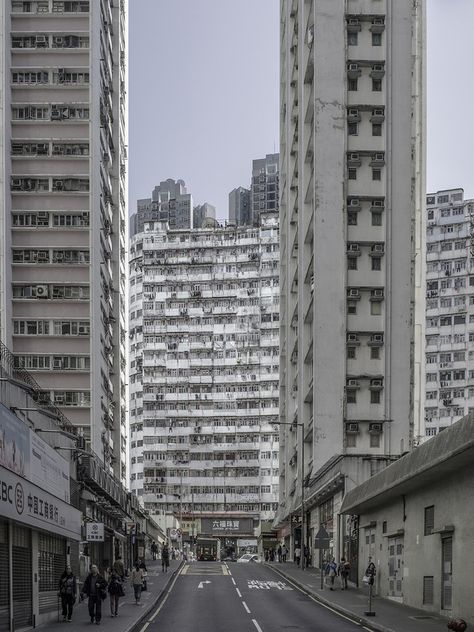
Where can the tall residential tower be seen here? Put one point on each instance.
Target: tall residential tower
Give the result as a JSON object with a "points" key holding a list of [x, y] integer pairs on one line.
{"points": [[63, 237], [351, 227]]}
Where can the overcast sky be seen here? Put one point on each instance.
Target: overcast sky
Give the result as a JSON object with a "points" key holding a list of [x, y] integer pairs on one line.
{"points": [[203, 92]]}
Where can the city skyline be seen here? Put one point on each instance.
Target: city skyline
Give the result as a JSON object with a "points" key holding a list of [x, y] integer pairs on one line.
{"points": [[214, 169]]}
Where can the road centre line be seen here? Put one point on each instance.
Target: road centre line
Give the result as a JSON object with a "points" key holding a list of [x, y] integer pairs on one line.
{"points": [[233, 581], [239, 593], [257, 626], [320, 603], [246, 607]]}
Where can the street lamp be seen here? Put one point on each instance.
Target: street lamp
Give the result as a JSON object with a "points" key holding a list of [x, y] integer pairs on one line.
{"points": [[295, 424]]}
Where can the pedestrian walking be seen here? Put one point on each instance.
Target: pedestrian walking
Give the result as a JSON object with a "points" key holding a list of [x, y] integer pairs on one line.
{"points": [[343, 572], [95, 588], [279, 553], [165, 558], [331, 570], [119, 568], [154, 550], [67, 591], [137, 582], [284, 552], [306, 556], [297, 554], [115, 589], [144, 574]]}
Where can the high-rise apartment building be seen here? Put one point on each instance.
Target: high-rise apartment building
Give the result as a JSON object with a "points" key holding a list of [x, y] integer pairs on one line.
{"points": [[63, 236], [265, 193], [170, 202], [351, 243], [449, 309], [203, 212], [240, 209], [204, 317]]}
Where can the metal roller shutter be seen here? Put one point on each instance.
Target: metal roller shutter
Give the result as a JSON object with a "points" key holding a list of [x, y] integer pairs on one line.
{"points": [[4, 579], [22, 578], [51, 565]]}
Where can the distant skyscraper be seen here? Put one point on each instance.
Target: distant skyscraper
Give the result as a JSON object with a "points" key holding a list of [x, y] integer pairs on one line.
{"points": [[265, 188], [239, 207], [203, 212], [170, 202]]}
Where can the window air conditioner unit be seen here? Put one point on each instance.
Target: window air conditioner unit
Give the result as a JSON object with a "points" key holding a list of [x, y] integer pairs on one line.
{"points": [[354, 156], [43, 215], [378, 248], [58, 40], [352, 427], [352, 383], [55, 114], [353, 21], [375, 427], [352, 338], [57, 363], [353, 293], [40, 40], [378, 21], [353, 66], [379, 157], [377, 338], [376, 383], [378, 293], [354, 202], [353, 248], [16, 182], [378, 203], [42, 291], [377, 68], [59, 398], [378, 112]]}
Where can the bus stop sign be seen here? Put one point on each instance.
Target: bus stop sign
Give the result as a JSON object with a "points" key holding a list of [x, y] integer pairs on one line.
{"points": [[322, 539]]}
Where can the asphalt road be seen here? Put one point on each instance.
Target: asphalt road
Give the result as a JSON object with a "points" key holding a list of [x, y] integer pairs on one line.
{"points": [[215, 597]]}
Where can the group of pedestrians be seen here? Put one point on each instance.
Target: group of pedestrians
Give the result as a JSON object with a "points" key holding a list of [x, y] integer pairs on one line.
{"points": [[340, 570], [96, 588]]}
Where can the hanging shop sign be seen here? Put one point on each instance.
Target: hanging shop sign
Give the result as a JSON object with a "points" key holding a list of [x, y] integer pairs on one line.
{"points": [[226, 526], [24, 502], [95, 531], [23, 452]]}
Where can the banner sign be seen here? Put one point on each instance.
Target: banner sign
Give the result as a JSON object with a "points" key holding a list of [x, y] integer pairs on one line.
{"points": [[95, 531], [23, 452], [24, 502], [226, 526]]}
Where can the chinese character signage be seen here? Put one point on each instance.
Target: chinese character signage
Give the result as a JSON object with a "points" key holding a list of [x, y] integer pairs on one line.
{"points": [[24, 502], [95, 531], [227, 525]]}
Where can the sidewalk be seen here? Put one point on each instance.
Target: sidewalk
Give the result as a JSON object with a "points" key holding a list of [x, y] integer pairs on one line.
{"points": [[129, 613], [390, 616]]}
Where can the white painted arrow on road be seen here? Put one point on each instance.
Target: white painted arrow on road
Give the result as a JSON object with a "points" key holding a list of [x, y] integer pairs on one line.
{"points": [[201, 584]]}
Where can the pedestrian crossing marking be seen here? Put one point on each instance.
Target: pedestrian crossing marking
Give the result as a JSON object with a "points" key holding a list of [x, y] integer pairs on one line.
{"points": [[197, 569]]}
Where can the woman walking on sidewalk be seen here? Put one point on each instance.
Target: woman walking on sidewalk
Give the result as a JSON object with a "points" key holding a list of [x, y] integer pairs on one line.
{"points": [[116, 591], [137, 582], [165, 558], [67, 592]]}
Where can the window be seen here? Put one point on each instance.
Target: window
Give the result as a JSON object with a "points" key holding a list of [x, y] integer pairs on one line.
{"points": [[374, 353], [375, 397], [351, 440], [351, 353], [352, 218], [376, 85], [376, 39], [429, 520], [376, 129], [375, 440], [352, 263], [353, 39], [376, 219], [352, 173], [376, 308], [428, 589], [384, 526], [352, 85], [352, 307], [351, 396], [376, 174], [353, 129], [376, 263]]}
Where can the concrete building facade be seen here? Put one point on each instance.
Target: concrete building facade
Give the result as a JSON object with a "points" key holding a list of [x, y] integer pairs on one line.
{"points": [[62, 216], [351, 244], [265, 193], [204, 311], [170, 202], [203, 212], [449, 394], [413, 521], [240, 208]]}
